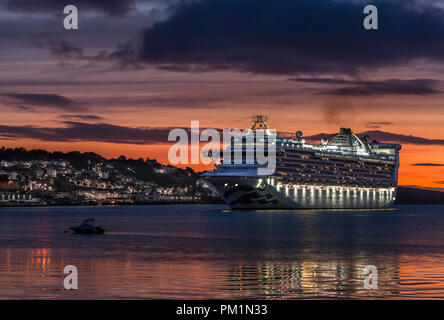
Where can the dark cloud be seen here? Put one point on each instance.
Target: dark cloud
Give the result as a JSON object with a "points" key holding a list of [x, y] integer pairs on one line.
{"points": [[387, 87], [74, 131], [122, 58], [322, 80], [383, 136], [86, 117], [59, 48], [439, 182], [291, 37], [377, 87], [79, 131], [24, 108], [378, 124], [125, 57], [427, 164], [111, 7], [27, 101]]}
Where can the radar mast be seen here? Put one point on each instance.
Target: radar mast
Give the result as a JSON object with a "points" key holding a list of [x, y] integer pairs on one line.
{"points": [[259, 122]]}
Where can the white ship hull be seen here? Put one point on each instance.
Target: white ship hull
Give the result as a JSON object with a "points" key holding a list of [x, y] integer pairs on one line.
{"points": [[266, 193]]}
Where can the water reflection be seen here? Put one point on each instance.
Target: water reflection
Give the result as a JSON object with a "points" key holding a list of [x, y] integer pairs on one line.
{"points": [[210, 255], [310, 280], [37, 274]]}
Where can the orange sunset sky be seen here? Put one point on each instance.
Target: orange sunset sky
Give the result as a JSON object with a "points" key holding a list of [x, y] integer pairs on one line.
{"points": [[117, 84]]}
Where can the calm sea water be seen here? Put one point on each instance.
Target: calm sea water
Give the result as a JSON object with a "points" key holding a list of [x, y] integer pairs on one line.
{"points": [[208, 252]]}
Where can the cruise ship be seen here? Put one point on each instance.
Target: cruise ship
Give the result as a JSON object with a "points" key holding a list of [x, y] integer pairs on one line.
{"points": [[343, 172]]}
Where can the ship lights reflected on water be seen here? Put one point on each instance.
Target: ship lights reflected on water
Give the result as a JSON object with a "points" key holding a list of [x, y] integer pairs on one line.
{"points": [[196, 252]]}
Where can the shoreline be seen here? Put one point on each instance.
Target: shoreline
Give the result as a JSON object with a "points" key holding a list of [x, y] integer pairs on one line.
{"points": [[204, 203], [164, 203]]}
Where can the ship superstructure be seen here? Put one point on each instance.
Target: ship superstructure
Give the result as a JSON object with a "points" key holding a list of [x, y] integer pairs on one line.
{"points": [[343, 171]]}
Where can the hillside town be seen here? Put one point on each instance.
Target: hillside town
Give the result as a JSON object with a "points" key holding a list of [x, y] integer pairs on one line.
{"points": [[38, 177]]}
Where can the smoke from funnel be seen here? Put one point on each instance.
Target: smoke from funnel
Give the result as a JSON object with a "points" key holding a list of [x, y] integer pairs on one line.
{"points": [[339, 111]]}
